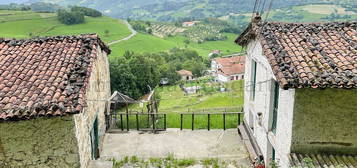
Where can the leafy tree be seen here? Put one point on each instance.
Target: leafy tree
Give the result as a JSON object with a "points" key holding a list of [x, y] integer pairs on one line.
{"points": [[86, 11], [70, 18], [133, 73]]}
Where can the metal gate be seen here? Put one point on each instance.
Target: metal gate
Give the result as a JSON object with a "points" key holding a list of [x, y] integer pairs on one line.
{"points": [[138, 121]]}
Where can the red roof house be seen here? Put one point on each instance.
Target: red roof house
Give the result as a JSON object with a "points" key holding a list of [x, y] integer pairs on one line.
{"points": [[228, 68]]}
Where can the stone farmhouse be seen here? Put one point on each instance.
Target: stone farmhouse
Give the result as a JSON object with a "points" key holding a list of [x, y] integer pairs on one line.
{"points": [[53, 101], [185, 75], [301, 93], [227, 69]]}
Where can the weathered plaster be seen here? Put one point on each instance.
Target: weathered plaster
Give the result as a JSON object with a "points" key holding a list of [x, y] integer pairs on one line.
{"points": [[42, 142], [97, 97], [325, 121], [263, 104]]}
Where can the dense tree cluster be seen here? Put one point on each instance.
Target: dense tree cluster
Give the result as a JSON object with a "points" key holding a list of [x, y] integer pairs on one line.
{"points": [[76, 15], [70, 17], [86, 11], [141, 26], [133, 73]]}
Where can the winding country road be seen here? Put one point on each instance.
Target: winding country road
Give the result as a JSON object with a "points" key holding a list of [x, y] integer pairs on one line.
{"points": [[133, 33]]}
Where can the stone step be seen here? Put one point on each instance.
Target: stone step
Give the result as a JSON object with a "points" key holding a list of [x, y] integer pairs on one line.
{"points": [[100, 164]]}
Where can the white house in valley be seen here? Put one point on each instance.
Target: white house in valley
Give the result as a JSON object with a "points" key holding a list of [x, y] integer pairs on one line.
{"points": [[227, 69], [301, 93], [54, 96]]}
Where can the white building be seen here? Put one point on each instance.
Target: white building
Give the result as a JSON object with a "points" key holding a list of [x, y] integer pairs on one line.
{"points": [[188, 24], [227, 69], [300, 95]]}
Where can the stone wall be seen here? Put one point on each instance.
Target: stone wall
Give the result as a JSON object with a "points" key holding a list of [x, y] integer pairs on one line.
{"points": [[42, 142], [97, 97], [325, 121]]}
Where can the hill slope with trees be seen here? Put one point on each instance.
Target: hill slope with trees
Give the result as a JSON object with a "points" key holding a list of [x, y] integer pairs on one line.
{"points": [[172, 10]]}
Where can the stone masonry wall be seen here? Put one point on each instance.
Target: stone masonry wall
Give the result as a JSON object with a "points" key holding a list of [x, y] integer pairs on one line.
{"points": [[325, 121], [42, 142], [97, 97]]}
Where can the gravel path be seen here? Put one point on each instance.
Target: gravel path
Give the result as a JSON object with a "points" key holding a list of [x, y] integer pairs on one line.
{"points": [[133, 33]]}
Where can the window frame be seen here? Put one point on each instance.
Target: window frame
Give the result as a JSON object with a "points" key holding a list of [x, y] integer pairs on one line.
{"points": [[253, 80], [275, 106]]}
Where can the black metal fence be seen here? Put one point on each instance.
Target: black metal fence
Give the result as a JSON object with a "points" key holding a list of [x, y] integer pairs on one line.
{"points": [[161, 121], [138, 121], [224, 115]]}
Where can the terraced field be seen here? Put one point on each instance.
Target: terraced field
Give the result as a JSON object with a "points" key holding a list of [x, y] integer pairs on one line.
{"points": [[164, 30]]}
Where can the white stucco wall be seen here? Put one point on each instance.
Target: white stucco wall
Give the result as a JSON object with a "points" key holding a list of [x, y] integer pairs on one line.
{"points": [[222, 78], [96, 96], [281, 141]]}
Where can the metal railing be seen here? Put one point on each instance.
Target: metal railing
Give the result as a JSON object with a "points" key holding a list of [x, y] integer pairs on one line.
{"points": [[158, 121], [239, 118], [124, 121]]}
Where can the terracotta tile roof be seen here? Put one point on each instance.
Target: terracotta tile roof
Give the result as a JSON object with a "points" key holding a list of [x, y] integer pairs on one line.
{"points": [[230, 61], [322, 160], [184, 72], [316, 55], [232, 70], [45, 76]]}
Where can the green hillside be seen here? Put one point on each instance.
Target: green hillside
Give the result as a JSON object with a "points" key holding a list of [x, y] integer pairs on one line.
{"points": [[171, 10], [23, 24], [148, 43]]}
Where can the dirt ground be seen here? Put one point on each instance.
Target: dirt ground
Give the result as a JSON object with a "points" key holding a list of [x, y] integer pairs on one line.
{"points": [[198, 144]]}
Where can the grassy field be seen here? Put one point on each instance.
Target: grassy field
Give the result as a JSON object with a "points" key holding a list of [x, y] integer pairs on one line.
{"points": [[142, 43], [324, 9], [18, 24], [23, 24], [173, 102]]}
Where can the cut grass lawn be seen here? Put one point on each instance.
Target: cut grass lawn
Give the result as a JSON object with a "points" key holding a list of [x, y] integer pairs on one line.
{"points": [[173, 102], [173, 120], [21, 24], [174, 99]]}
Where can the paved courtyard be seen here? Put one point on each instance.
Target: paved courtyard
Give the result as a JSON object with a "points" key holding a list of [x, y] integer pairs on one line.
{"points": [[198, 144]]}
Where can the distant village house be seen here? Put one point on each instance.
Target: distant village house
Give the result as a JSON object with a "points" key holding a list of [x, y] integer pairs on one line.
{"points": [[53, 101], [188, 24], [229, 68], [300, 97], [185, 75]]}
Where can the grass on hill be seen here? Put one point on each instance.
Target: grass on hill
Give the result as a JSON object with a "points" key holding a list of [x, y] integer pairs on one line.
{"points": [[24, 24], [173, 101], [18, 24], [143, 43]]}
